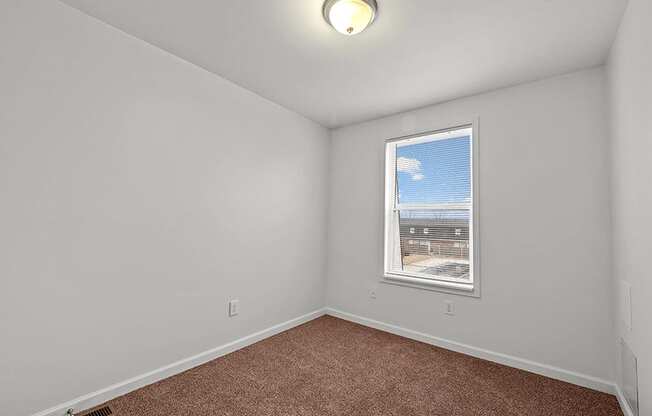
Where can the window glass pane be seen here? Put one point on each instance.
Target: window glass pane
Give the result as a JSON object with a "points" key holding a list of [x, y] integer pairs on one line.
{"points": [[441, 252], [430, 222], [434, 172]]}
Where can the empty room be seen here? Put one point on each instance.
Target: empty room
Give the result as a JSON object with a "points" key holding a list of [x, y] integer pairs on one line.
{"points": [[325, 207]]}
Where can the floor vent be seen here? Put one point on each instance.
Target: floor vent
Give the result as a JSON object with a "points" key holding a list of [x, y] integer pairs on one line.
{"points": [[100, 411]]}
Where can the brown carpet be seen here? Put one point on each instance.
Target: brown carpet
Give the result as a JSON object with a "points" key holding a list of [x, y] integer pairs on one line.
{"points": [[333, 367]]}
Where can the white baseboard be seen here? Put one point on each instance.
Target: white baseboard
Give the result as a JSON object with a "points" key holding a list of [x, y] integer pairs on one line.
{"points": [[508, 360], [98, 397], [624, 405]]}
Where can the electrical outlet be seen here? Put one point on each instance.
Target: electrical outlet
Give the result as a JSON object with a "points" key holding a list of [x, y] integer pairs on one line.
{"points": [[234, 307], [372, 294], [450, 307]]}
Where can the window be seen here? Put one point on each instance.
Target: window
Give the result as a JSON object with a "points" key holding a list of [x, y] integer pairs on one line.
{"points": [[430, 184]]}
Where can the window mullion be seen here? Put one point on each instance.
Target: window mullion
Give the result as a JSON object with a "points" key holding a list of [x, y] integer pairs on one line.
{"points": [[437, 207]]}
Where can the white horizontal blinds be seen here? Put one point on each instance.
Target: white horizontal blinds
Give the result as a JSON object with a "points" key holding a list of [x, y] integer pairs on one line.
{"points": [[433, 202]]}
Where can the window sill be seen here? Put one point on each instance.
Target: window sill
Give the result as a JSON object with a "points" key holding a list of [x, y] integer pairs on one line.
{"points": [[462, 289]]}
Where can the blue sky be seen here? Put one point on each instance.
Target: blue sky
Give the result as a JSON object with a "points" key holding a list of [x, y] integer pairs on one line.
{"points": [[434, 172]]}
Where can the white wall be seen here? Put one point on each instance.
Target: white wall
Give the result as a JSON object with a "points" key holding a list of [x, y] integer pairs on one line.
{"points": [[544, 224], [630, 71], [138, 193]]}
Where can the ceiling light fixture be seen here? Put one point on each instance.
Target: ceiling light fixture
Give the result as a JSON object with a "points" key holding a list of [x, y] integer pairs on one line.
{"points": [[350, 17]]}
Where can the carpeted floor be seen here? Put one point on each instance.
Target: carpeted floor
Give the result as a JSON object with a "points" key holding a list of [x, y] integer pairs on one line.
{"points": [[333, 367]]}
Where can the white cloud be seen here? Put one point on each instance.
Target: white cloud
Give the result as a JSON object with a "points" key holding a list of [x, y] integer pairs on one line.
{"points": [[411, 166], [404, 164]]}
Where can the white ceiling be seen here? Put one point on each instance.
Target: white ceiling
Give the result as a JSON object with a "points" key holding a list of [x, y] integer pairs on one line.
{"points": [[417, 52]]}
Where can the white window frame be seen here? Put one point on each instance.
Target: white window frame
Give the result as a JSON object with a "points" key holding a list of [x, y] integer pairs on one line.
{"points": [[391, 236]]}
